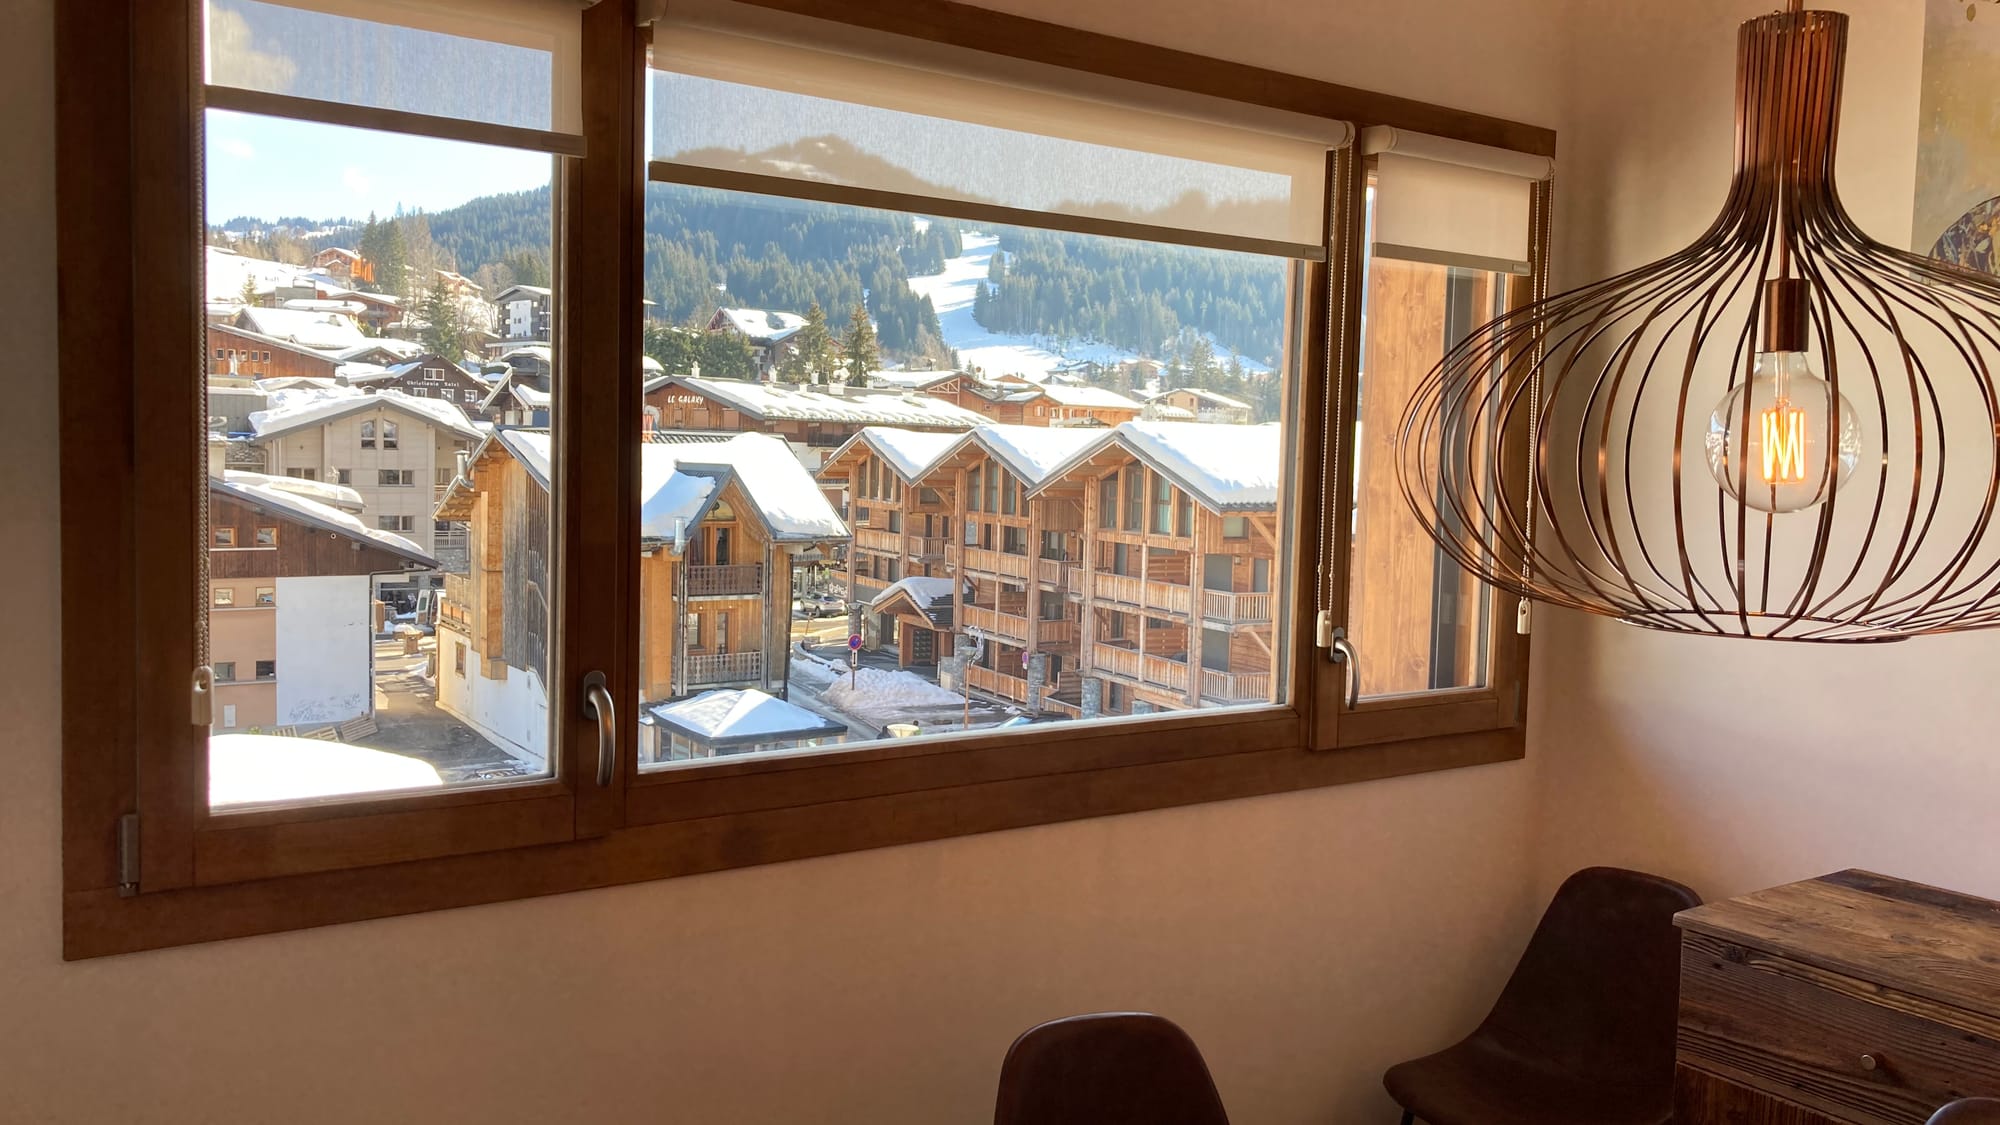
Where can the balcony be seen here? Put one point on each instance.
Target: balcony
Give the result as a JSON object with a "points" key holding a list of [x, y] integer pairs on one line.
{"points": [[877, 539], [927, 547], [732, 581], [1052, 572], [1057, 632], [1011, 627], [724, 668], [998, 683], [1236, 609], [1115, 660], [1131, 591], [1164, 673], [981, 561], [1235, 687]]}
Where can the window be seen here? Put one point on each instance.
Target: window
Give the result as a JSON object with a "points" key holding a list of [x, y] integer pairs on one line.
{"points": [[225, 672], [267, 595], [343, 476], [267, 537], [222, 597], [395, 478], [225, 537], [582, 555], [367, 435], [1163, 501], [303, 474], [1236, 527], [445, 475], [434, 374]]}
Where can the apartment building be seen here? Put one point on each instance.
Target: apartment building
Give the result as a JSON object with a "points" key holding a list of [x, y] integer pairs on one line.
{"points": [[814, 421], [722, 524], [290, 628], [397, 451], [1192, 404], [901, 530]]}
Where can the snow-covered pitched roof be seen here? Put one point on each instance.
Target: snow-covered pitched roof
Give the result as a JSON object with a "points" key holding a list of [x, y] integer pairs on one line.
{"points": [[926, 592], [768, 401], [906, 380], [1211, 397], [320, 331], [731, 716], [1167, 411], [325, 492], [1227, 468], [1033, 452], [378, 345], [226, 271], [679, 482], [1093, 397], [531, 398], [312, 512], [911, 453], [293, 409], [762, 324]]}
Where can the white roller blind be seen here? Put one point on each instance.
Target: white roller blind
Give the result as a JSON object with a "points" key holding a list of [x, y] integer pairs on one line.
{"points": [[512, 63], [1450, 202], [747, 89]]}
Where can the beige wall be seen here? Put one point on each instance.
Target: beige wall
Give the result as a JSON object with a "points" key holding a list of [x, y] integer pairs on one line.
{"points": [[1736, 765], [1307, 940], [421, 448]]}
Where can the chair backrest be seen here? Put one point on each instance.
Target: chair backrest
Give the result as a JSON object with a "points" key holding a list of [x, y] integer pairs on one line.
{"points": [[1597, 990], [1111, 1068], [1968, 1111]]}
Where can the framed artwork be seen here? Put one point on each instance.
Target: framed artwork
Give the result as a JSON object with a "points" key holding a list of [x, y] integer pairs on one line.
{"points": [[1957, 216]]}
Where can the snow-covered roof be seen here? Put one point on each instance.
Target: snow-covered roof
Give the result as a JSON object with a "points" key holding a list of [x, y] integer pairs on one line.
{"points": [[779, 401], [261, 769], [1211, 397], [530, 397], [911, 453], [763, 324], [226, 271], [1033, 452], [318, 330], [679, 482], [378, 345], [924, 591], [312, 512], [1096, 398], [530, 290], [1167, 411], [739, 717], [906, 380], [533, 351], [293, 409], [1227, 468], [297, 382], [325, 492]]}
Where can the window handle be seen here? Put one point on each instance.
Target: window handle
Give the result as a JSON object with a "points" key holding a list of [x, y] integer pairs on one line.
{"points": [[598, 707], [1341, 651]]}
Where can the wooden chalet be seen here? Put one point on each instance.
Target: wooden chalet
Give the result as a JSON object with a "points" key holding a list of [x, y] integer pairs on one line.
{"points": [[236, 351], [901, 529], [427, 376], [814, 421]]}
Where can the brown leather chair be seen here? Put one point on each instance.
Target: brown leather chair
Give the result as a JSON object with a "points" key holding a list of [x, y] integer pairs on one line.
{"points": [[1968, 1111], [1583, 1034], [1112, 1068]]}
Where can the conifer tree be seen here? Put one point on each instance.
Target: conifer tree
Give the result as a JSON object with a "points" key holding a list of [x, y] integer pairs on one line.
{"points": [[862, 356]]}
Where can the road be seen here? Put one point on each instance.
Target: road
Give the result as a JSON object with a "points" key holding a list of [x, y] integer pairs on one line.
{"points": [[411, 723]]}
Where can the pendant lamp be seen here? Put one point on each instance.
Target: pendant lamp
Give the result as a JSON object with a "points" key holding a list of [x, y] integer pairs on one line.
{"points": [[1786, 431]]}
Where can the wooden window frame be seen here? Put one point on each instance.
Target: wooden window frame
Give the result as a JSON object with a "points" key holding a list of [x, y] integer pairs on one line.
{"points": [[127, 109]]}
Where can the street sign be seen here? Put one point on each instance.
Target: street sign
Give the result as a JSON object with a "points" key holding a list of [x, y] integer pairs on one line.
{"points": [[854, 641]]}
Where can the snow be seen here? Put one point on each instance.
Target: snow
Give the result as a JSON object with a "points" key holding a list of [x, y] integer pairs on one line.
{"points": [[761, 324], [320, 331], [291, 409], [879, 696], [670, 500], [912, 452], [1003, 353], [905, 380], [325, 492], [530, 397], [743, 715], [1087, 396], [922, 590], [257, 769], [227, 271], [1033, 452], [1225, 466], [765, 401], [304, 507]]}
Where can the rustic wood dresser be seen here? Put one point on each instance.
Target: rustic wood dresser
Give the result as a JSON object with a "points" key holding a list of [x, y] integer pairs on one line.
{"points": [[1850, 998]]}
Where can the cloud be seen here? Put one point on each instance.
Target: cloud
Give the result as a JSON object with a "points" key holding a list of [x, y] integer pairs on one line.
{"points": [[355, 180]]}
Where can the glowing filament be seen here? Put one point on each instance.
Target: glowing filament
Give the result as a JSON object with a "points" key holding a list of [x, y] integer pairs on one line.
{"points": [[1784, 444]]}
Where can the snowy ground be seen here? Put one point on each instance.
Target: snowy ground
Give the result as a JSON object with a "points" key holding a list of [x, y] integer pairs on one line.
{"points": [[1001, 353]]}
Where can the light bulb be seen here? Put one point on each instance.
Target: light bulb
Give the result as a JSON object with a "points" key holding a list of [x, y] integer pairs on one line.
{"points": [[1777, 453]]}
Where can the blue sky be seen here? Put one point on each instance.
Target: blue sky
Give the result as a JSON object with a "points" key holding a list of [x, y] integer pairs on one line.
{"points": [[269, 166]]}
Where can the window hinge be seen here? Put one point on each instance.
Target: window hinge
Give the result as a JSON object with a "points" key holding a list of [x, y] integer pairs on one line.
{"points": [[128, 855], [201, 697]]}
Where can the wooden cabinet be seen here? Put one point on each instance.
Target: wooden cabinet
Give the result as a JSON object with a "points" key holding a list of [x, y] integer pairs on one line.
{"points": [[1851, 999]]}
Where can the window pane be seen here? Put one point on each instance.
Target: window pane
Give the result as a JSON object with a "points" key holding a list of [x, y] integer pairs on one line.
{"points": [[351, 254], [1020, 615], [1419, 622]]}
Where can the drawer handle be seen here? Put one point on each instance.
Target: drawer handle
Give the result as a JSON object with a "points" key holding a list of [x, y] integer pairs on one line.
{"points": [[1870, 1062]]}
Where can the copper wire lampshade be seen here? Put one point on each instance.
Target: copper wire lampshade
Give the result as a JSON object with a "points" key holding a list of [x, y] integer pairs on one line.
{"points": [[1785, 431]]}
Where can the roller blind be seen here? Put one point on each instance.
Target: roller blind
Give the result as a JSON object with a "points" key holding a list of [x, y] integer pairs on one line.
{"points": [[505, 64], [748, 90], [1451, 202]]}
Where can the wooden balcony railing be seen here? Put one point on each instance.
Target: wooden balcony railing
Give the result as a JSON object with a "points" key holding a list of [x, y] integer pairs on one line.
{"points": [[1235, 687], [1148, 595], [1115, 660], [999, 683], [926, 546], [992, 622], [1166, 673], [736, 579], [878, 539], [1055, 632], [725, 668], [983, 561], [1052, 571], [1237, 609]]}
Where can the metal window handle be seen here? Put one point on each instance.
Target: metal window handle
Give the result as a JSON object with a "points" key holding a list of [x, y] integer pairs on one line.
{"points": [[599, 708], [1341, 651]]}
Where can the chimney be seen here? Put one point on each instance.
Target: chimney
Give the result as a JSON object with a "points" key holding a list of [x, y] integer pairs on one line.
{"points": [[464, 470], [218, 456]]}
